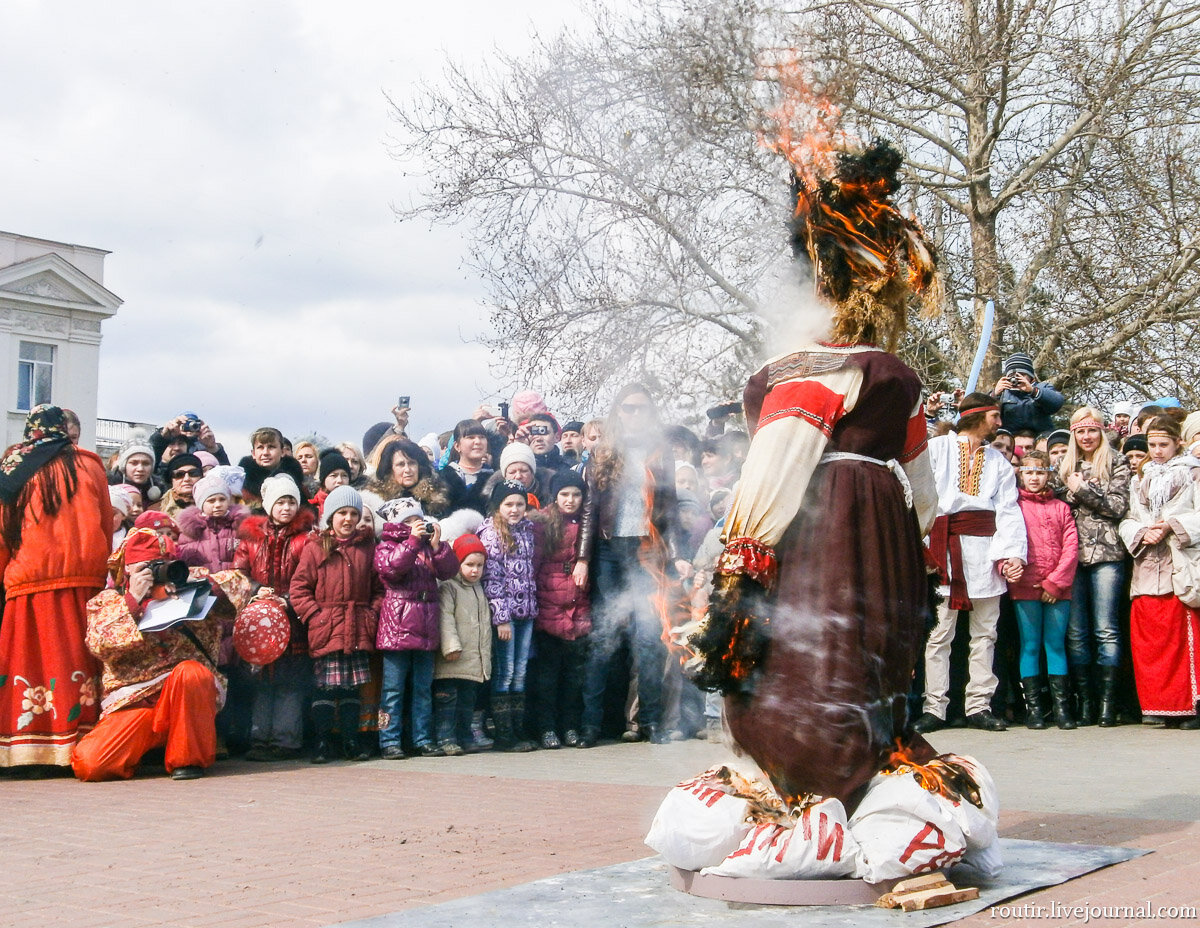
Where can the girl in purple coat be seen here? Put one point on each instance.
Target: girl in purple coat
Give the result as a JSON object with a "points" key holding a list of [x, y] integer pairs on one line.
{"points": [[510, 584], [1042, 597], [208, 531], [564, 616], [410, 560]]}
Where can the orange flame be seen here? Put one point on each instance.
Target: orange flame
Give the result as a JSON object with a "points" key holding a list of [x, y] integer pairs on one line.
{"points": [[940, 775], [668, 597]]}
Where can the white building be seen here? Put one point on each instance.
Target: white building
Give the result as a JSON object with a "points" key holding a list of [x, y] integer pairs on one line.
{"points": [[52, 302]]}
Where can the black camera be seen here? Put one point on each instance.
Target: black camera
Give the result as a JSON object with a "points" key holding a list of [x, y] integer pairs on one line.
{"points": [[191, 425], [164, 572], [427, 528], [725, 409]]}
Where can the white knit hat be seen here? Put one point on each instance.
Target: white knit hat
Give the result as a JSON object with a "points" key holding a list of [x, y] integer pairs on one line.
{"points": [[516, 451], [276, 488], [209, 486], [120, 500], [400, 509], [136, 446]]}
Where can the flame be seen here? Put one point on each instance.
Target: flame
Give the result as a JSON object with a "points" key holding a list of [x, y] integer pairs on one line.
{"points": [[843, 193], [941, 775], [668, 597]]}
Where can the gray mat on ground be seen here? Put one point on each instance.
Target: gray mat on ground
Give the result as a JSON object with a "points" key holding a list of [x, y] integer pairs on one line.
{"points": [[639, 895]]}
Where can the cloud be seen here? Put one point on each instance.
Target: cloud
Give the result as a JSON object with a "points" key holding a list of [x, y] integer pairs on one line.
{"points": [[234, 160]]}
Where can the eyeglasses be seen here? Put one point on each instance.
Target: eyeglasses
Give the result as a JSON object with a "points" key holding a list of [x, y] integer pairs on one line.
{"points": [[634, 409], [540, 430], [181, 474]]}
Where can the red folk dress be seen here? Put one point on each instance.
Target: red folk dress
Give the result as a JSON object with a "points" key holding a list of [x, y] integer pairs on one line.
{"points": [[49, 695]]}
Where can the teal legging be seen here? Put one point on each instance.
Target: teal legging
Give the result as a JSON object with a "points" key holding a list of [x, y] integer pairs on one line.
{"points": [[1043, 625]]}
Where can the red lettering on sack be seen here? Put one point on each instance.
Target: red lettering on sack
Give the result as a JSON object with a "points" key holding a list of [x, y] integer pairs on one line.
{"points": [[787, 840], [806, 824], [831, 839], [748, 842], [919, 843], [707, 795]]}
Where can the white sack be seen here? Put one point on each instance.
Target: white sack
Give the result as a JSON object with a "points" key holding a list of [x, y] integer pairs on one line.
{"points": [[698, 824], [902, 830], [819, 846]]}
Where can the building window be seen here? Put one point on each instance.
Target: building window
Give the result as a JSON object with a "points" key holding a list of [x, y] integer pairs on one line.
{"points": [[35, 375]]}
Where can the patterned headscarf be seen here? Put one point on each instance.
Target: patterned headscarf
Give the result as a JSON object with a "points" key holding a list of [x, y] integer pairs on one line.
{"points": [[141, 544], [45, 438]]}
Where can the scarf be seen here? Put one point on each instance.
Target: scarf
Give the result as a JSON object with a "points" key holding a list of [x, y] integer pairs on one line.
{"points": [[1160, 482], [45, 438]]}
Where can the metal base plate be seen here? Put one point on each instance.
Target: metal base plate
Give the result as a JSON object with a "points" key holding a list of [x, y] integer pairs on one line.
{"points": [[779, 892]]}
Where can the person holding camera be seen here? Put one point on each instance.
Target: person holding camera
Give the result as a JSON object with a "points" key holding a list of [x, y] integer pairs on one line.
{"points": [[159, 688], [1025, 403], [193, 432], [410, 559]]}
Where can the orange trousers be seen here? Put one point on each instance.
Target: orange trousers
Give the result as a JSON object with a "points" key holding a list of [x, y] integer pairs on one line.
{"points": [[184, 719]]}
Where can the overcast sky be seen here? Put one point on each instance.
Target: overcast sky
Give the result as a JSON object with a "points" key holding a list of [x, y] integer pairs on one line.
{"points": [[233, 158]]}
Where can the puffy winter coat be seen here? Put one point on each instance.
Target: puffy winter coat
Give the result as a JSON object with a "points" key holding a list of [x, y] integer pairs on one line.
{"points": [[1053, 552], [410, 571], [208, 541], [1099, 509], [563, 609], [269, 554], [337, 598], [466, 622], [510, 577]]}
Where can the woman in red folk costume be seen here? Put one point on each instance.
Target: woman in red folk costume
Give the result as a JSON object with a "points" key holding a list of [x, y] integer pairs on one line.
{"points": [[820, 597], [56, 521]]}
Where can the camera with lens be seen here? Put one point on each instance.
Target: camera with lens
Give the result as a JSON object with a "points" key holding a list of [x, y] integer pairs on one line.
{"points": [[191, 425], [164, 572], [427, 528]]}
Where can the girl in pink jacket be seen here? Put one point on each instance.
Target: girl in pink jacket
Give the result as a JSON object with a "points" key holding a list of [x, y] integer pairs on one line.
{"points": [[1042, 597]]}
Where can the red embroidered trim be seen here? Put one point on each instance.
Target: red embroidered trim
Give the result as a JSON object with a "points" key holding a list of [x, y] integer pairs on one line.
{"points": [[750, 557]]}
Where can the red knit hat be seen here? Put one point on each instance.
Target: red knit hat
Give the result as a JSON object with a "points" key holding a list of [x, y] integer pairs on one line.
{"points": [[465, 545], [153, 519]]}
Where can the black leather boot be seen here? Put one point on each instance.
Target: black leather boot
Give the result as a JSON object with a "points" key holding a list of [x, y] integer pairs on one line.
{"points": [[1034, 717], [1060, 699], [1085, 704], [1108, 696]]}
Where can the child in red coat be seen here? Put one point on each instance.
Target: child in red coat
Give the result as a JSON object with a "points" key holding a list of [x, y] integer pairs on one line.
{"points": [[564, 615], [336, 594], [269, 553], [1042, 597]]}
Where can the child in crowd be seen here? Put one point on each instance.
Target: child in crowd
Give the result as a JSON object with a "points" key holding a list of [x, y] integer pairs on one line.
{"points": [[410, 560], [563, 615], [121, 504], [465, 661], [509, 582], [208, 530], [334, 471], [269, 553], [159, 521], [336, 594], [1042, 597], [467, 473]]}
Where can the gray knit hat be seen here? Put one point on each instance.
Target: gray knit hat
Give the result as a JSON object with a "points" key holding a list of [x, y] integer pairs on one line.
{"points": [[340, 498], [1019, 362]]}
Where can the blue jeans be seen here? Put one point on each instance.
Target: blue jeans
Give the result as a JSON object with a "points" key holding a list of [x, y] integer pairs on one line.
{"points": [[1043, 625], [511, 658], [622, 603], [399, 666], [1094, 603]]}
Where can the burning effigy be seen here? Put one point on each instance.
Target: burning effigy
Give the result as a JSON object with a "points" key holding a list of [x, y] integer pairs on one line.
{"points": [[821, 595]]}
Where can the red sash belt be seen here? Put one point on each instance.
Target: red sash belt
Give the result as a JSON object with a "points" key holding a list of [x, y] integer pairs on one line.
{"points": [[946, 548]]}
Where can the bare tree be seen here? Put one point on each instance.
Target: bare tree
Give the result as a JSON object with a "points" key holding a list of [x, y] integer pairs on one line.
{"points": [[1050, 149], [626, 218]]}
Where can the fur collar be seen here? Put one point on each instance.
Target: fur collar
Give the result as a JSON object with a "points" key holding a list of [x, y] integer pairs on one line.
{"points": [[254, 529]]}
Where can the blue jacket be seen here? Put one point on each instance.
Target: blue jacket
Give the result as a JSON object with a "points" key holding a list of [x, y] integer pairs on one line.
{"points": [[1030, 410]]}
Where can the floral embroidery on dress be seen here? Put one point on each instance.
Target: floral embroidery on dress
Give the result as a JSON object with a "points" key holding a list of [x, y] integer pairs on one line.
{"points": [[35, 701]]}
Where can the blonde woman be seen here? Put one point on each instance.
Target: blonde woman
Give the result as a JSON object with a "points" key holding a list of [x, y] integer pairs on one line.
{"points": [[1095, 480]]}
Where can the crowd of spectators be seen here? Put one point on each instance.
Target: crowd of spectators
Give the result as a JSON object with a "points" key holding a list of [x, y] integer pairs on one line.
{"points": [[518, 581]]}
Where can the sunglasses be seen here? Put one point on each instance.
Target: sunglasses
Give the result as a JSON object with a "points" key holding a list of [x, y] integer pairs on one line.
{"points": [[181, 474], [634, 409]]}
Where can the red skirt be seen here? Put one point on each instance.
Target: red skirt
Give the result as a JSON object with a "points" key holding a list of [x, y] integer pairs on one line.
{"points": [[49, 686], [1164, 637]]}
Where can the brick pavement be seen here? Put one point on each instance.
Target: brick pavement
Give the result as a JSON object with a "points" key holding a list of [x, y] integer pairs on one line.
{"points": [[296, 845]]}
